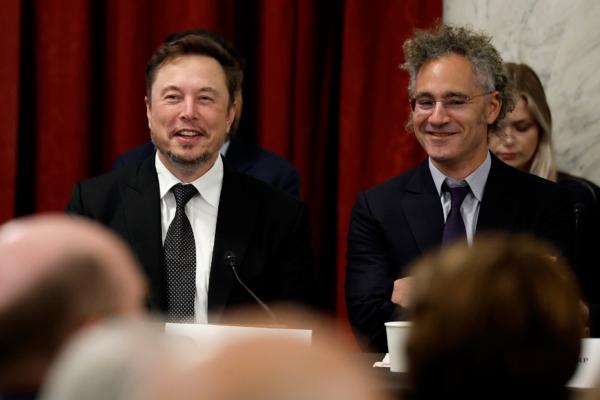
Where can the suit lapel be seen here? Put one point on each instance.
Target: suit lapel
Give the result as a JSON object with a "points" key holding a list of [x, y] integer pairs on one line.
{"points": [[423, 209], [141, 203], [236, 218], [499, 206]]}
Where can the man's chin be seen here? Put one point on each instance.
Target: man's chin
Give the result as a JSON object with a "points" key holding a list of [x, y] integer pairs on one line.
{"points": [[187, 162]]}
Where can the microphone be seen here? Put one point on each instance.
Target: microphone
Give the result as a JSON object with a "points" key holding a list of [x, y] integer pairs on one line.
{"points": [[231, 262]]}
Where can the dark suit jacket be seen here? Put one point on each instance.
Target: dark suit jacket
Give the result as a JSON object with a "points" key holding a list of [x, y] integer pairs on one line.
{"points": [[267, 229], [585, 196], [394, 223], [242, 157]]}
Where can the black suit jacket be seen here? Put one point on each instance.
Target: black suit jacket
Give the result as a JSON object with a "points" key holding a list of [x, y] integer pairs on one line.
{"points": [[267, 229], [242, 157], [394, 223]]}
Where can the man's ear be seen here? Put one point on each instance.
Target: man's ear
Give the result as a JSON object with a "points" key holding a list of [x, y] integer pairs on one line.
{"points": [[148, 109], [231, 114], [493, 108]]}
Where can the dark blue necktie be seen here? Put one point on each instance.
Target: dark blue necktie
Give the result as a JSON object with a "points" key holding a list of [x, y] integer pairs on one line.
{"points": [[454, 229], [180, 258]]}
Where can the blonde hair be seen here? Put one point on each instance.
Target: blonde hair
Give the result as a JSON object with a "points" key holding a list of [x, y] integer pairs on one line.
{"points": [[527, 85]]}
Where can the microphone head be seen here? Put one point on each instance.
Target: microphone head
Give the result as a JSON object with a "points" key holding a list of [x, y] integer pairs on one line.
{"points": [[230, 259]]}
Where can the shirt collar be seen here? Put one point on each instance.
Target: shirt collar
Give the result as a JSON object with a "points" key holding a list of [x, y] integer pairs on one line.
{"points": [[476, 179], [208, 185]]}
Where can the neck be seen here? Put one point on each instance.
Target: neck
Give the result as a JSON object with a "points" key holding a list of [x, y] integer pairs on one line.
{"points": [[460, 170]]}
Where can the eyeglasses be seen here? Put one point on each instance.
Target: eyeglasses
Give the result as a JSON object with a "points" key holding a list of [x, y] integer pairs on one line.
{"points": [[427, 104]]}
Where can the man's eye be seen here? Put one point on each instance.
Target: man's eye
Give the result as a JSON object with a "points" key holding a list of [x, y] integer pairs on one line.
{"points": [[426, 103], [171, 97], [455, 102], [206, 99]]}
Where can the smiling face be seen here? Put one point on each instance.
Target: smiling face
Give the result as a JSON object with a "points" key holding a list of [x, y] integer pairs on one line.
{"points": [[189, 114], [454, 138], [518, 139]]}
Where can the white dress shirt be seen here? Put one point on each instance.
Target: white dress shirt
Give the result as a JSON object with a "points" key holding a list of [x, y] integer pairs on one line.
{"points": [[472, 202], [202, 211]]}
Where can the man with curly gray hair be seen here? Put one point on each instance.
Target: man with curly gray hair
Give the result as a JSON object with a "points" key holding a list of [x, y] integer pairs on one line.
{"points": [[458, 92]]}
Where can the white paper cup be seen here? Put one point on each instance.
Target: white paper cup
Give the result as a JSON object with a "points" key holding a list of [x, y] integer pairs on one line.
{"points": [[397, 336]]}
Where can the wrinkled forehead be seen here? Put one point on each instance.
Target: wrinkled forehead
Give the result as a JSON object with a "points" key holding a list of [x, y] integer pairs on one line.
{"points": [[446, 75]]}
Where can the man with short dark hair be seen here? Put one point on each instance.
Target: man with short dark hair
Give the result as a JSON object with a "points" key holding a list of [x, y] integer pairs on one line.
{"points": [[184, 209], [458, 91], [240, 154]]}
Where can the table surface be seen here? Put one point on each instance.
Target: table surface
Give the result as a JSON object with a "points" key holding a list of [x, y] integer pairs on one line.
{"points": [[395, 383]]}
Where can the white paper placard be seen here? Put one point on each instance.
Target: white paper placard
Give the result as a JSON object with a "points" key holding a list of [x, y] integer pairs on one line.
{"points": [[588, 371], [217, 335], [586, 376]]}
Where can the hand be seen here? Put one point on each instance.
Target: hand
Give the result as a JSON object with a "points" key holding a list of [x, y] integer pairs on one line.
{"points": [[585, 313], [401, 292]]}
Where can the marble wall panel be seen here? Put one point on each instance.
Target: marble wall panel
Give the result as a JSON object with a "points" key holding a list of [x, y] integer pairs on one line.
{"points": [[561, 41]]}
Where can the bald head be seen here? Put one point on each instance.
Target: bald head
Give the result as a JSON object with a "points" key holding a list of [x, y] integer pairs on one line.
{"points": [[57, 274]]}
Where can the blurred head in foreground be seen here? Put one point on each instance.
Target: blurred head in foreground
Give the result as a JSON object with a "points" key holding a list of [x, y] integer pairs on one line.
{"points": [[58, 274], [120, 359], [498, 320], [278, 369]]}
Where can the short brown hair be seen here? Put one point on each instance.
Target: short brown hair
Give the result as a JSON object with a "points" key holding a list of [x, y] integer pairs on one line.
{"points": [[195, 45], [494, 321]]}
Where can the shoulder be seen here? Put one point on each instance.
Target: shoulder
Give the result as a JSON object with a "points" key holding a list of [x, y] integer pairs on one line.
{"points": [[413, 179], [106, 190], [510, 176], [581, 189], [116, 177], [386, 199], [269, 158], [258, 162], [507, 182], [246, 187], [134, 155]]}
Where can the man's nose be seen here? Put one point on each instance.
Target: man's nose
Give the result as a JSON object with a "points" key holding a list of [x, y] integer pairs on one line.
{"points": [[438, 115], [189, 109]]}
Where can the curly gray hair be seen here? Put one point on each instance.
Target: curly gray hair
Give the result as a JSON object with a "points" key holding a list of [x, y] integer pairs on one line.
{"points": [[426, 45]]}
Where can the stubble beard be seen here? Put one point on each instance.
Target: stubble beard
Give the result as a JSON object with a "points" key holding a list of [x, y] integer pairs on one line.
{"points": [[186, 166]]}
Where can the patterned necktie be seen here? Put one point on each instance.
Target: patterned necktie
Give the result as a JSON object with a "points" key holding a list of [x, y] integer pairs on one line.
{"points": [[180, 258], [454, 229]]}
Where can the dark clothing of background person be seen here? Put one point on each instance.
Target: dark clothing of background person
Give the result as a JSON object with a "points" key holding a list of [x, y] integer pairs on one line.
{"points": [[243, 157], [585, 196]]}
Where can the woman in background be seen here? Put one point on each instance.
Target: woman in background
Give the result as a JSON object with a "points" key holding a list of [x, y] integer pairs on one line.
{"points": [[524, 141]]}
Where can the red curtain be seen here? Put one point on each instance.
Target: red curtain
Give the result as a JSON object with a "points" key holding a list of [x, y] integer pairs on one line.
{"points": [[10, 19], [323, 89], [374, 145]]}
